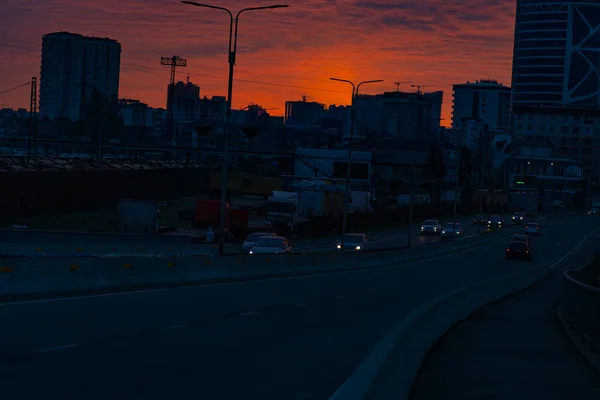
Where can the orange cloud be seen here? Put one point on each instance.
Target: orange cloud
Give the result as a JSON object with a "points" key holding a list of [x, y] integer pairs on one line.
{"points": [[282, 53]]}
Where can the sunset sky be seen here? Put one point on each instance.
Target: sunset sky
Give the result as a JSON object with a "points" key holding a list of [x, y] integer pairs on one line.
{"points": [[282, 54]]}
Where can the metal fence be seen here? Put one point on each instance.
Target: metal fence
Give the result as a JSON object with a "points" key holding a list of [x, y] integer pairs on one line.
{"points": [[582, 303]]}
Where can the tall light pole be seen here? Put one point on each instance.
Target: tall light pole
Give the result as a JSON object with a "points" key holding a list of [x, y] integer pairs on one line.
{"points": [[233, 35], [355, 89]]}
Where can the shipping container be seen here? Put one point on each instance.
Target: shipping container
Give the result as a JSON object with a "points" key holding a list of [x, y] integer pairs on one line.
{"points": [[247, 184]]}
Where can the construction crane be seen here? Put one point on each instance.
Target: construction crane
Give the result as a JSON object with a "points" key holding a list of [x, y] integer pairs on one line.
{"points": [[173, 62], [419, 87], [398, 83]]}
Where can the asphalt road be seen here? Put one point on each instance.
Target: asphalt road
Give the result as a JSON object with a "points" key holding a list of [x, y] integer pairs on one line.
{"points": [[24, 242], [293, 338], [514, 349]]}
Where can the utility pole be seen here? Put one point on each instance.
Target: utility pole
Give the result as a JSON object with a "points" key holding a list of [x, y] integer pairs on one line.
{"points": [[410, 207], [173, 62], [483, 161], [456, 191], [32, 117], [355, 88]]}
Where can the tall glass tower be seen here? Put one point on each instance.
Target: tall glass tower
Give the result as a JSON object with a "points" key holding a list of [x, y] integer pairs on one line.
{"points": [[556, 59]]}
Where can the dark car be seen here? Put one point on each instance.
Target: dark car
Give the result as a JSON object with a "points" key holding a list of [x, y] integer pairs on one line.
{"points": [[518, 218], [479, 219], [520, 237], [495, 222], [518, 251]]}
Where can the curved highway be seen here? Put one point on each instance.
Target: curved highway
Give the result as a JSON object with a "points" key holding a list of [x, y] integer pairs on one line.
{"points": [[292, 338]]}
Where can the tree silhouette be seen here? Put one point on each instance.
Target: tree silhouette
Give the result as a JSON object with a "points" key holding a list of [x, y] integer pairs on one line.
{"points": [[435, 171]]}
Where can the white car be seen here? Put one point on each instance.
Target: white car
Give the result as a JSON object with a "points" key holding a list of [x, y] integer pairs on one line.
{"points": [[271, 245], [452, 230], [251, 240], [431, 227]]}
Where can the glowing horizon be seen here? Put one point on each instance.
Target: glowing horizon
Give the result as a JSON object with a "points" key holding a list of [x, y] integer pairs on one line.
{"points": [[283, 54]]}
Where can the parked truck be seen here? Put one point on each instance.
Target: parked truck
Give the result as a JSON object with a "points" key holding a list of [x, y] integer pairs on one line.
{"points": [[296, 208]]}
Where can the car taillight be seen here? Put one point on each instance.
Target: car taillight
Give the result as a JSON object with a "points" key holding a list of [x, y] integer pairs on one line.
{"points": [[526, 251], [507, 249], [526, 227]]}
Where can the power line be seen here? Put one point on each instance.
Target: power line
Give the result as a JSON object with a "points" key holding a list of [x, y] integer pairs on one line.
{"points": [[253, 82], [16, 87]]}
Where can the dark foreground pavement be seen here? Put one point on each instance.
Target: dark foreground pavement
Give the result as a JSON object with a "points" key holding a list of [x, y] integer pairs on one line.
{"points": [[515, 349], [293, 338]]}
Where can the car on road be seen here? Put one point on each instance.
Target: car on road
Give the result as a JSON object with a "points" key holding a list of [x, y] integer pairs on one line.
{"points": [[593, 211], [452, 230], [354, 242], [271, 245], [520, 237], [431, 227], [252, 238], [533, 228], [479, 219], [518, 218], [495, 222], [518, 251]]}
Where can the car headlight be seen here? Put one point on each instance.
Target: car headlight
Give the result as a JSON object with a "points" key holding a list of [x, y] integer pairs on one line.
{"points": [[458, 232], [250, 252], [422, 228], [339, 246], [443, 231], [357, 247], [435, 229]]}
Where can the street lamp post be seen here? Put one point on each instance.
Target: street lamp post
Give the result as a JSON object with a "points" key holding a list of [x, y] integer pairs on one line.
{"points": [[355, 89], [233, 34]]}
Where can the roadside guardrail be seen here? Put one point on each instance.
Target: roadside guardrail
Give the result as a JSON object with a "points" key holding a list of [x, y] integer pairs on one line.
{"points": [[582, 304]]}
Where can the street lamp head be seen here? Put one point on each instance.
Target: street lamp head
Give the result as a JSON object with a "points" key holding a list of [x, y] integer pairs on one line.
{"points": [[279, 6]]}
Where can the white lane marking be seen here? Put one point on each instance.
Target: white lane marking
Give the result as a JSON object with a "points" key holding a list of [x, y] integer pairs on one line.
{"points": [[339, 297], [402, 265], [49, 349], [168, 328], [248, 313], [93, 296], [302, 305]]}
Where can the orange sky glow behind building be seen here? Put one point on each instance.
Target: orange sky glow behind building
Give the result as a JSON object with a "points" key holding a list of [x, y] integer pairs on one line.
{"points": [[282, 54]]}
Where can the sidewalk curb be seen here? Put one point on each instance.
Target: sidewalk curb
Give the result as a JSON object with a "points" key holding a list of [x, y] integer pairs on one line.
{"points": [[580, 344]]}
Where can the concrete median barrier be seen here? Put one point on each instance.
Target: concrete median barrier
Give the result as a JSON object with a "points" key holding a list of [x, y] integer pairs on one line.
{"points": [[49, 276]]}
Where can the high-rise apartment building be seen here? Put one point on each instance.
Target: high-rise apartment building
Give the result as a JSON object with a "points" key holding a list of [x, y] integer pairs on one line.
{"points": [[72, 67], [556, 60], [486, 101]]}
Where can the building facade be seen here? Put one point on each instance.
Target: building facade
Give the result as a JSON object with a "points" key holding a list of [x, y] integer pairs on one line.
{"points": [[72, 67], [568, 133], [486, 101], [556, 47], [303, 113]]}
